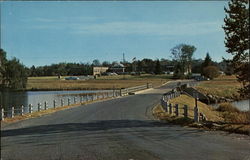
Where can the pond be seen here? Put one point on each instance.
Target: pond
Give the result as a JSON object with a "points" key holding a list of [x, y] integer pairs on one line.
{"points": [[17, 99]]}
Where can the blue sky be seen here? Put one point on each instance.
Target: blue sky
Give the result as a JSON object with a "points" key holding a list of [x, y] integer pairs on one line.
{"points": [[42, 33]]}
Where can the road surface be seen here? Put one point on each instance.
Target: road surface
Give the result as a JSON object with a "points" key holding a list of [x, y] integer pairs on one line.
{"points": [[118, 129]]}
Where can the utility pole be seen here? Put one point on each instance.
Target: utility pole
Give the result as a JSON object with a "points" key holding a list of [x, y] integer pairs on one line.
{"points": [[123, 70]]}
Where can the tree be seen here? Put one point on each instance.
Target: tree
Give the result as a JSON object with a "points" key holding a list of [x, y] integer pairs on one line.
{"points": [[197, 65], [211, 72], [207, 62], [13, 73], [3, 61], [106, 64], [237, 40], [182, 54], [96, 62], [157, 67]]}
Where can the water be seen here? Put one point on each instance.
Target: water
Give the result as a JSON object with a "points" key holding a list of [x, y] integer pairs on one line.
{"points": [[17, 99], [242, 105]]}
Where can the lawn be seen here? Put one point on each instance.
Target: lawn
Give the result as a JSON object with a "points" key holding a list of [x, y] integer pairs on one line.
{"points": [[223, 86], [103, 82]]}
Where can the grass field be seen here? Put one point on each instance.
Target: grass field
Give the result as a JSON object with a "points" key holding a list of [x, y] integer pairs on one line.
{"points": [[223, 86], [103, 82]]}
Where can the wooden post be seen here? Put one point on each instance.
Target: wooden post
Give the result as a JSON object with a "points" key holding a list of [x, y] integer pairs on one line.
{"points": [[185, 111], [62, 102], [54, 104], [2, 114], [120, 92], [68, 101], [92, 97], [166, 106], [196, 114], [176, 110], [30, 108], [162, 103], [147, 85], [39, 106], [75, 100], [45, 105], [12, 112], [22, 109], [170, 108]]}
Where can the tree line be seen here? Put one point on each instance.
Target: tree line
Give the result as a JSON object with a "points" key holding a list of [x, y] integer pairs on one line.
{"points": [[13, 74]]}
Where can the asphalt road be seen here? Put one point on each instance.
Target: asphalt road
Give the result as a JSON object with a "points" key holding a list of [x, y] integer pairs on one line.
{"points": [[118, 129]]}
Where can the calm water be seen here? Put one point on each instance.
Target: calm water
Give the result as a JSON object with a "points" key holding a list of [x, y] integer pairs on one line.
{"points": [[16, 99], [242, 105]]}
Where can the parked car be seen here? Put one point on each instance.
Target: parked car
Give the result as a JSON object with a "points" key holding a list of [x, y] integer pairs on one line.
{"points": [[72, 78]]}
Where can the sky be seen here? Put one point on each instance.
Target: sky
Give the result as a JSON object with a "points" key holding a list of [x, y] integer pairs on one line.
{"points": [[43, 33]]}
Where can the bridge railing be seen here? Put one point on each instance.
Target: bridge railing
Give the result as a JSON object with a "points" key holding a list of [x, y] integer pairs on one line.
{"points": [[178, 110], [77, 100], [134, 89]]}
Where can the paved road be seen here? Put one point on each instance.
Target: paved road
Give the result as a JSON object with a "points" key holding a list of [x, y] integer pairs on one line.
{"points": [[118, 129]]}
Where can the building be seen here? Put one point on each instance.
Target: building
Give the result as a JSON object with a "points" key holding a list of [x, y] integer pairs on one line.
{"points": [[99, 70], [117, 68]]}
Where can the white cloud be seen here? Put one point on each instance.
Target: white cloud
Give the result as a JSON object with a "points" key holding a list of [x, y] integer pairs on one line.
{"points": [[146, 28], [84, 25]]}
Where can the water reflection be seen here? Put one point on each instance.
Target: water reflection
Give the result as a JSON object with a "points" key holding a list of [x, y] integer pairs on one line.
{"points": [[17, 99], [243, 105]]}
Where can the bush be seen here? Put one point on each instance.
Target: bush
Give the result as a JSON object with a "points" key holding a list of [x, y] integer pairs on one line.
{"points": [[211, 72], [227, 107], [232, 114]]}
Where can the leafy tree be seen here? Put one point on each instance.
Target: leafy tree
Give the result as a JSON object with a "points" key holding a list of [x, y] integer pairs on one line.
{"points": [[96, 62], [237, 40], [197, 65], [106, 64], [226, 67], [211, 72], [148, 65], [182, 54], [33, 71], [158, 67], [3, 61], [13, 73], [178, 71]]}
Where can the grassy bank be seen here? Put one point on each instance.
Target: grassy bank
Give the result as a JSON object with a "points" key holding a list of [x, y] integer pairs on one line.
{"points": [[225, 118], [223, 86], [104, 82]]}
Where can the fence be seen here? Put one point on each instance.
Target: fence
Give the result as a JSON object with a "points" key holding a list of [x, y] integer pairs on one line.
{"points": [[177, 110], [134, 89], [69, 101]]}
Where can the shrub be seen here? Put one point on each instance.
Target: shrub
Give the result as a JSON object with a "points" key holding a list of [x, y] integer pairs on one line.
{"points": [[211, 72], [227, 107]]}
